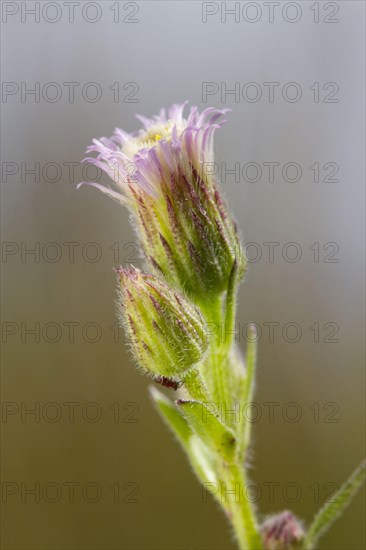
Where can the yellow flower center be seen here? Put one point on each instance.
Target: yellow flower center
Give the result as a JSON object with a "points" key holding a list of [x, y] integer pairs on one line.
{"points": [[146, 139]]}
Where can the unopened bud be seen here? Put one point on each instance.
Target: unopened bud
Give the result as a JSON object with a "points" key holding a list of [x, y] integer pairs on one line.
{"points": [[166, 332], [282, 532]]}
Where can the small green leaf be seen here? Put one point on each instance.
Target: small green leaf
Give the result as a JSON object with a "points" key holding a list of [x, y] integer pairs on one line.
{"points": [[250, 361], [245, 389], [172, 416], [334, 508], [198, 454], [209, 428]]}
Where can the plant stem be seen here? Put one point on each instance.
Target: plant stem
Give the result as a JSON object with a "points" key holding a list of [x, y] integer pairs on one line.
{"points": [[239, 508]]}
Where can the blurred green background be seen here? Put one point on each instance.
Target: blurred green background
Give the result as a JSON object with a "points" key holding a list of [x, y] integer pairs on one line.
{"points": [[132, 486]]}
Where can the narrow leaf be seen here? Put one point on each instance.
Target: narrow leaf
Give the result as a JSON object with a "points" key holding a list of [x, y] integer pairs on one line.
{"points": [[198, 454], [209, 428], [175, 420], [250, 360], [334, 508], [246, 389]]}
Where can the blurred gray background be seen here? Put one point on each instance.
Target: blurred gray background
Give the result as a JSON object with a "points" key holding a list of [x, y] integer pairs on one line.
{"points": [[133, 488]]}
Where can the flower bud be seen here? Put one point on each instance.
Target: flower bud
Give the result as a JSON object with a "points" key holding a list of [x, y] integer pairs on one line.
{"points": [[166, 332], [164, 174], [282, 532]]}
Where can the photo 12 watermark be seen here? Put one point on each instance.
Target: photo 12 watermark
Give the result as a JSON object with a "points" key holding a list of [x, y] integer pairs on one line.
{"points": [[30, 12], [91, 332], [69, 492], [270, 12], [236, 172], [69, 412], [132, 253], [271, 492], [68, 92], [274, 92]]}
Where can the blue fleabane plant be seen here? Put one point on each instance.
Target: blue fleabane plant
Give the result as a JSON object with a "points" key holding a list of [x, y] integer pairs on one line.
{"points": [[193, 265]]}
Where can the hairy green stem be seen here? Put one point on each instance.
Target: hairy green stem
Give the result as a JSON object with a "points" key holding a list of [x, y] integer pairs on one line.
{"points": [[240, 509], [220, 378]]}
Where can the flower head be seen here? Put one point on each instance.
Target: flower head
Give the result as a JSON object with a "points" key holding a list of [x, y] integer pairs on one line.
{"points": [[165, 331], [159, 173]]}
